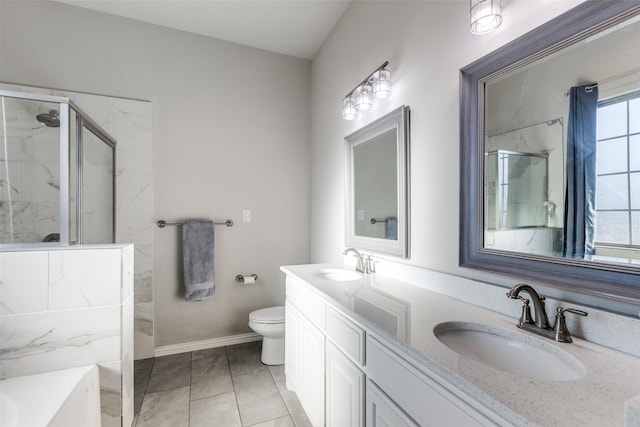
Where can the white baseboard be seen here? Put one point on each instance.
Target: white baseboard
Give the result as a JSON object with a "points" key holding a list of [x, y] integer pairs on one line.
{"points": [[166, 350]]}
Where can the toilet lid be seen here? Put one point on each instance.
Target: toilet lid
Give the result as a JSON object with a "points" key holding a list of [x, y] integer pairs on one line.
{"points": [[268, 315]]}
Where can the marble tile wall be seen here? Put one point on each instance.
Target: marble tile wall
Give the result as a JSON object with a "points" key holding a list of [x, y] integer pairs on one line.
{"points": [[70, 307], [129, 123]]}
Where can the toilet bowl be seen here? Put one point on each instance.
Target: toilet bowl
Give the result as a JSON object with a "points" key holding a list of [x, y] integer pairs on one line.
{"points": [[269, 322]]}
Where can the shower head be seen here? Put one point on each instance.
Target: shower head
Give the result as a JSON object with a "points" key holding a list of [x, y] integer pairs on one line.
{"points": [[49, 119]]}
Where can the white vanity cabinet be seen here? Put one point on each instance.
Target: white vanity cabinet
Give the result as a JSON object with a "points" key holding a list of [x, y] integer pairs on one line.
{"points": [[346, 377], [304, 363], [305, 349]]}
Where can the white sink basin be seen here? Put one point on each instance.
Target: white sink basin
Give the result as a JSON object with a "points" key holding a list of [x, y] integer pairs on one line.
{"points": [[510, 351], [337, 275]]}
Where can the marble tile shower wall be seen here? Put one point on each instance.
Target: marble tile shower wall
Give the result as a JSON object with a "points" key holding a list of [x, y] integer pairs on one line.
{"points": [[30, 173], [71, 307], [129, 123]]}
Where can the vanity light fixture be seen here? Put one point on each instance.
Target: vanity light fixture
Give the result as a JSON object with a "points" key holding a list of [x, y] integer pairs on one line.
{"points": [[376, 84], [486, 15]]}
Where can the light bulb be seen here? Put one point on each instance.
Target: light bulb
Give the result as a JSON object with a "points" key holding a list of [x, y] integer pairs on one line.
{"points": [[382, 84], [485, 16], [364, 97], [349, 111]]}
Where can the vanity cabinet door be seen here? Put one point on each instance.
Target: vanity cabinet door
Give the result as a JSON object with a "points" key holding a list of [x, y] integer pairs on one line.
{"points": [[291, 347], [382, 412], [345, 390], [304, 355]]}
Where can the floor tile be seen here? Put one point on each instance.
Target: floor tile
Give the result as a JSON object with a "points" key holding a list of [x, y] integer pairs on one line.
{"points": [[245, 359], [277, 372], [210, 352], [210, 377], [220, 410], [170, 372], [258, 398], [280, 422], [197, 389], [141, 373], [296, 411], [143, 364], [169, 408]]}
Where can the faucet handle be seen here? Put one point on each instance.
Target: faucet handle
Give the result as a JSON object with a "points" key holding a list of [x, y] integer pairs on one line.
{"points": [[560, 327], [369, 265], [572, 310], [525, 316]]}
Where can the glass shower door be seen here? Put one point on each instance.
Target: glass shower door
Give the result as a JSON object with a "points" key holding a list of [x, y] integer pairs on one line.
{"points": [[29, 171], [97, 172]]}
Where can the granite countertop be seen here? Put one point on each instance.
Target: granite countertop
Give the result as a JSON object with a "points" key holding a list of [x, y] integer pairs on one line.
{"points": [[597, 399]]}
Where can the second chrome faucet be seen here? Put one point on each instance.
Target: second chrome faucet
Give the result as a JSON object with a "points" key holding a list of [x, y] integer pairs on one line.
{"points": [[364, 263], [539, 324]]}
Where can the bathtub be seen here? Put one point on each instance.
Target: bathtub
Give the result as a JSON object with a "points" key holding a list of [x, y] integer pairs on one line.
{"points": [[69, 397]]}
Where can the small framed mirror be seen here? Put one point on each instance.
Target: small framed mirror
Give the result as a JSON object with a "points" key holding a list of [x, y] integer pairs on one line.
{"points": [[377, 185]]}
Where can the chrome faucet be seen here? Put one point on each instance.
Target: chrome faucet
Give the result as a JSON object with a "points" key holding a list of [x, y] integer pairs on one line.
{"points": [[540, 326], [362, 266]]}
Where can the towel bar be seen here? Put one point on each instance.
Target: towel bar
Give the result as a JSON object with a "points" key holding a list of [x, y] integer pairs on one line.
{"points": [[374, 221], [162, 223]]}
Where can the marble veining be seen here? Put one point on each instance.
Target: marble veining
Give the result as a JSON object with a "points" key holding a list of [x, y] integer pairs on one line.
{"points": [[39, 332], [82, 278], [40, 342]]}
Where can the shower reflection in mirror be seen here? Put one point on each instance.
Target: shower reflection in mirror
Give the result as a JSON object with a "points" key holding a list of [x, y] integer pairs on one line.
{"points": [[524, 178]]}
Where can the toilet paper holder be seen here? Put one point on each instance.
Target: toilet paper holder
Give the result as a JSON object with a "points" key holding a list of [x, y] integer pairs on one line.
{"points": [[240, 278]]}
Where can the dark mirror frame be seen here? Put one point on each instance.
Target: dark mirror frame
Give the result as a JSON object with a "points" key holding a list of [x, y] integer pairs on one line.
{"points": [[614, 281]]}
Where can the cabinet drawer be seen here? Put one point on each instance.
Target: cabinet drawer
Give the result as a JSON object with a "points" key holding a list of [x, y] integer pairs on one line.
{"points": [[382, 412], [346, 335], [422, 398], [305, 300]]}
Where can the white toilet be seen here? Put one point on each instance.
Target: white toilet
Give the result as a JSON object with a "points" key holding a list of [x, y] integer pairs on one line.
{"points": [[269, 322]]}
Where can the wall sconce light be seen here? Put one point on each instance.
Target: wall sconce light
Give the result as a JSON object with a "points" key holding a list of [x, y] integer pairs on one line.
{"points": [[376, 84], [486, 15]]}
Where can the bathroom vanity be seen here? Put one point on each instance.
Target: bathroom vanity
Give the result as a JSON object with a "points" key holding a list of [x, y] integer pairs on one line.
{"points": [[362, 350]]}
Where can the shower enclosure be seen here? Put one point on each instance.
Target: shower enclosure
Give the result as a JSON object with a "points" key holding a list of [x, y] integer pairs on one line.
{"points": [[57, 173]]}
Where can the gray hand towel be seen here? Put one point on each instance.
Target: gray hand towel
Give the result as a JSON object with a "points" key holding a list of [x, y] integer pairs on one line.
{"points": [[391, 228], [197, 258]]}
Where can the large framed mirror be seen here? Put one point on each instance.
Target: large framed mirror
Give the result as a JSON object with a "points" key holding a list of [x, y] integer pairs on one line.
{"points": [[377, 184], [550, 154]]}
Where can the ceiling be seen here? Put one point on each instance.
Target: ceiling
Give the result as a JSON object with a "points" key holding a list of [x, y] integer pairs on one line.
{"points": [[291, 27]]}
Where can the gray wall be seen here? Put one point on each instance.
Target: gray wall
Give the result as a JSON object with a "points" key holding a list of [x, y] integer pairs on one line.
{"points": [[230, 132], [426, 44]]}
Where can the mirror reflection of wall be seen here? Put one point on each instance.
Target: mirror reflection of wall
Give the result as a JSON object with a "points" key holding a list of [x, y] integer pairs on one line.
{"points": [[375, 186]]}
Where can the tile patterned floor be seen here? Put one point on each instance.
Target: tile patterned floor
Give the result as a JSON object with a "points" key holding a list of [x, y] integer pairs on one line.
{"points": [[223, 387]]}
